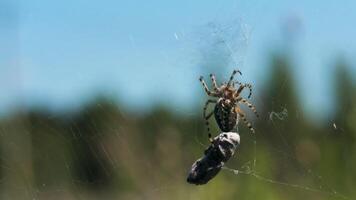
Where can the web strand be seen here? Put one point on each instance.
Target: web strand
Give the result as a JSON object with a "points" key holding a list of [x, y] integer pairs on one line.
{"points": [[296, 186], [251, 170]]}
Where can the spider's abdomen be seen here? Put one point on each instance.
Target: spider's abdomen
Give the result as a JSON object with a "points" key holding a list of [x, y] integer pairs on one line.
{"points": [[225, 116]]}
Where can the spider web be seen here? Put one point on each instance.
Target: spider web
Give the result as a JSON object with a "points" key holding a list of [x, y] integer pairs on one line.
{"points": [[225, 35], [249, 168], [231, 41]]}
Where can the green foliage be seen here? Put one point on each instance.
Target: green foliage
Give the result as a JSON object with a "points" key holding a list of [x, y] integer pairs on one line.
{"points": [[100, 152]]}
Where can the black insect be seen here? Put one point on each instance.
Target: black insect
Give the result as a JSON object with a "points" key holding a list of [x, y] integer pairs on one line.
{"points": [[215, 156]]}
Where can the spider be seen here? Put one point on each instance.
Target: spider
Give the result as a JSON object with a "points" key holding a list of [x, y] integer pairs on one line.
{"points": [[227, 111]]}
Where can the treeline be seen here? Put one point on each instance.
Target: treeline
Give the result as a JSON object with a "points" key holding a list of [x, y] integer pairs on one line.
{"points": [[103, 152]]}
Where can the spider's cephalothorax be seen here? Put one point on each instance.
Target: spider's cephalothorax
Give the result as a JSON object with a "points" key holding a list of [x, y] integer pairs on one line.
{"points": [[227, 111]]}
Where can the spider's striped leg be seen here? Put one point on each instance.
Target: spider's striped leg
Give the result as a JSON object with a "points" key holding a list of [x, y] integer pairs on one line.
{"points": [[243, 117], [215, 85], [242, 86], [207, 116], [252, 107], [232, 76], [237, 94], [249, 86], [208, 92]]}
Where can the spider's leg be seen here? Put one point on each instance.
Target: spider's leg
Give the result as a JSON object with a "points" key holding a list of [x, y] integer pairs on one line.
{"points": [[208, 92], [232, 76], [238, 82], [207, 116], [242, 116], [207, 125], [249, 86], [237, 94], [242, 86], [252, 107], [215, 85]]}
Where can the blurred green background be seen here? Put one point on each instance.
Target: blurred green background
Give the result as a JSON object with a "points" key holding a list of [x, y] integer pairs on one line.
{"points": [[66, 132]]}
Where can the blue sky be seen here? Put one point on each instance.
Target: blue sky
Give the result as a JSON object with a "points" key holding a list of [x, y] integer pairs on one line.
{"points": [[61, 53]]}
